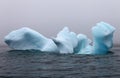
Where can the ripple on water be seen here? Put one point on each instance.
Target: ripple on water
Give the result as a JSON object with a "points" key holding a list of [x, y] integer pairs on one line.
{"points": [[50, 65]]}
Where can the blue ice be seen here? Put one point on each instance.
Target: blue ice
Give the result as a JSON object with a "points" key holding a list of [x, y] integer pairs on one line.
{"points": [[65, 42]]}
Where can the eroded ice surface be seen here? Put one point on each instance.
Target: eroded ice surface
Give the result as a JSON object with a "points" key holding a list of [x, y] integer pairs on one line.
{"points": [[65, 42], [102, 38], [26, 39], [83, 44]]}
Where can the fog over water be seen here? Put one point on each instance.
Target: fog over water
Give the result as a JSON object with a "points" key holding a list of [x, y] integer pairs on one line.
{"points": [[49, 16]]}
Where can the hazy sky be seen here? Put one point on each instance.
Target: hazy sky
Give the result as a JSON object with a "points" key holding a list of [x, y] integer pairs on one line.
{"points": [[49, 16]]}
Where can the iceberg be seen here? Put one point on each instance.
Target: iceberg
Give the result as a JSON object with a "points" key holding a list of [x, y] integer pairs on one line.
{"points": [[83, 44], [102, 38], [65, 42], [28, 39]]}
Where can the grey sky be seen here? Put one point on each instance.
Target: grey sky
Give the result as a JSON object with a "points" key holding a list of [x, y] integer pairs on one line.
{"points": [[49, 16]]}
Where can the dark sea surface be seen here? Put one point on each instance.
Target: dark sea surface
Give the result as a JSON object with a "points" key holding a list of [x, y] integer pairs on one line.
{"points": [[34, 64]]}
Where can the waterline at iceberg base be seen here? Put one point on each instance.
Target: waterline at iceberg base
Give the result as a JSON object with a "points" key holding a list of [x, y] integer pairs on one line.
{"points": [[65, 42]]}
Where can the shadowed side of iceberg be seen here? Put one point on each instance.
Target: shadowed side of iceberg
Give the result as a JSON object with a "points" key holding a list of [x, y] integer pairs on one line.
{"points": [[102, 38]]}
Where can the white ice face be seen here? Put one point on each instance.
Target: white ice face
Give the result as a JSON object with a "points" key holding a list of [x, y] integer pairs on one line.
{"points": [[26, 38], [68, 36], [66, 41]]}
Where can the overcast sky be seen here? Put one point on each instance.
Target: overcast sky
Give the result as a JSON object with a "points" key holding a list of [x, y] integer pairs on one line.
{"points": [[49, 16]]}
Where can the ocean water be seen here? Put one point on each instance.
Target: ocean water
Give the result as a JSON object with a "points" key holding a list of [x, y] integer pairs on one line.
{"points": [[34, 64]]}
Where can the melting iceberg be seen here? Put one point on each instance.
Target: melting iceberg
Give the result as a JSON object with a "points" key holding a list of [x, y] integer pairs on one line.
{"points": [[26, 39], [102, 38], [65, 42]]}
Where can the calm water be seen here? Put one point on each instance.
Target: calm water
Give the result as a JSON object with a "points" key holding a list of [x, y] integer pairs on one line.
{"points": [[31, 64]]}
